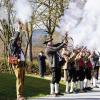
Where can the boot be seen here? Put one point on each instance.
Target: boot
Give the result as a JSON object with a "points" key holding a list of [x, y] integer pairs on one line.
{"points": [[89, 85], [52, 86], [72, 87], [85, 83], [67, 87], [76, 89], [81, 87], [94, 82], [56, 88]]}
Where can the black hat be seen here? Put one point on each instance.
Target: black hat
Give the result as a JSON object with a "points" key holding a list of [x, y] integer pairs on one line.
{"points": [[48, 39]]}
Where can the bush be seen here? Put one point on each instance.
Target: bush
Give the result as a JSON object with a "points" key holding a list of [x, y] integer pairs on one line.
{"points": [[4, 67], [34, 67]]}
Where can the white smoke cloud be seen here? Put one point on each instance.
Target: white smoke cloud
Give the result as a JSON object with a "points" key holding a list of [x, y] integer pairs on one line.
{"points": [[23, 10], [3, 13], [82, 21], [72, 15]]}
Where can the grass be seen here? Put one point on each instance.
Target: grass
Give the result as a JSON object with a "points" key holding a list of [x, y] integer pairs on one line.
{"points": [[34, 86]]}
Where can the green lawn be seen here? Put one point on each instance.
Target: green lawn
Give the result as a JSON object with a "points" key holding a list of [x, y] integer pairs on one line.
{"points": [[34, 87]]}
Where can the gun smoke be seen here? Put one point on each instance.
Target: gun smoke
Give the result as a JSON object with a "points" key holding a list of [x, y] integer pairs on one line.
{"points": [[23, 10], [82, 21]]}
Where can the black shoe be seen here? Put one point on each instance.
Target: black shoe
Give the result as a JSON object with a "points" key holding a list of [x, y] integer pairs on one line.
{"points": [[96, 86], [71, 92], [76, 90], [84, 90], [89, 88], [58, 94]]}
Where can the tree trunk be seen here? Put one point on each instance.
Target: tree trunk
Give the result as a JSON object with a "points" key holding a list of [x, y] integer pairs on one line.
{"points": [[28, 52]]}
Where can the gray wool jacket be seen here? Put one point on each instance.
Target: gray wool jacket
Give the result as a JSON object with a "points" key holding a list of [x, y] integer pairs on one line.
{"points": [[52, 55]]}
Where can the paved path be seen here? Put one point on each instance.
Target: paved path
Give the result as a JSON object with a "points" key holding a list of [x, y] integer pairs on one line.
{"points": [[92, 95]]}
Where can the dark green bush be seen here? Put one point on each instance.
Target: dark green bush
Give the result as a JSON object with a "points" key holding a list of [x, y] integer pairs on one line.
{"points": [[4, 67], [34, 67]]}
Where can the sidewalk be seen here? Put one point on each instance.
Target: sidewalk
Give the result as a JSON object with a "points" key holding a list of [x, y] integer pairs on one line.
{"points": [[90, 95]]}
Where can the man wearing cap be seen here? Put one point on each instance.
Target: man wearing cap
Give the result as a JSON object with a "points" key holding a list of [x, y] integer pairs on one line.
{"points": [[19, 67], [53, 59]]}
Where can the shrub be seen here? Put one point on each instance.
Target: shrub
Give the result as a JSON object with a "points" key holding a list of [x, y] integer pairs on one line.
{"points": [[34, 67], [4, 67]]}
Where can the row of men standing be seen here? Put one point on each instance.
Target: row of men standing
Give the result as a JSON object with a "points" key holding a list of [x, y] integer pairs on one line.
{"points": [[81, 66], [78, 67]]}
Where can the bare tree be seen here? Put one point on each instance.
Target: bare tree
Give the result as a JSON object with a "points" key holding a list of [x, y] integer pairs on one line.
{"points": [[6, 29], [50, 13], [46, 14]]}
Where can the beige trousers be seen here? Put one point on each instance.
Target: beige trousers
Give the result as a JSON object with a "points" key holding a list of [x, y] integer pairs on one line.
{"points": [[20, 75]]}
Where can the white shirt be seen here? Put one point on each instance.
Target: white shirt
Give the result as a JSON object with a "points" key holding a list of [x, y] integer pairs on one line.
{"points": [[22, 58]]}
